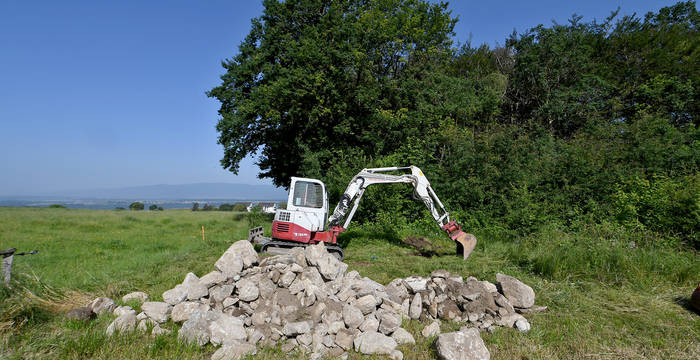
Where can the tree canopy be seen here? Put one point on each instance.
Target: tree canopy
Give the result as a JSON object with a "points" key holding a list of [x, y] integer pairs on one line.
{"points": [[594, 120]]}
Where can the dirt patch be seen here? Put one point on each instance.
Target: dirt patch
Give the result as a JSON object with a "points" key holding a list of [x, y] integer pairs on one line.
{"points": [[423, 246]]}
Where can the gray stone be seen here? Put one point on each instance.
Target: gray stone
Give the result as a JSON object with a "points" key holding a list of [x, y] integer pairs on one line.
{"points": [[374, 343], [335, 326], [397, 291], [519, 294], [157, 331], [312, 274], [158, 311], [212, 278], [462, 345], [504, 303], [396, 355], [182, 311], [449, 310], [145, 323], [229, 301], [122, 324], [366, 304], [370, 324], [509, 320], [401, 336], [229, 264], [194, 289], [82, 313], [119, 311], [416, 307], [522, 325], [247, 290], [225, 329], [431, 330], [219, 293], [102, 305], [297, 328], [405, 307], [330, 267], [416, 283], [286, 279], [245, 250], [234, 351], [352, 316], [315, 253], [175, 295], [139, 296], [305, 339], [196, 329], [344, 338], [389, 322], [489, 286]]}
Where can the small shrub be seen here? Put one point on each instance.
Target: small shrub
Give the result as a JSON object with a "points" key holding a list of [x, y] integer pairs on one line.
{"points": [[136, 206], [57, 206]]}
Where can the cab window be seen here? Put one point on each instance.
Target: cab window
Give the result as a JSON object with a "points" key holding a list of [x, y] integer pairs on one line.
{"points": [[308, 194]]}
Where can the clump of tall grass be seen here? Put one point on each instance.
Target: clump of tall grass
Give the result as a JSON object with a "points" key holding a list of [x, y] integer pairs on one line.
{"points": [[28, 300]]}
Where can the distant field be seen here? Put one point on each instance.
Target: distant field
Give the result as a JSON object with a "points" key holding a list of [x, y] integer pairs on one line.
{"points": [[607, 298]]}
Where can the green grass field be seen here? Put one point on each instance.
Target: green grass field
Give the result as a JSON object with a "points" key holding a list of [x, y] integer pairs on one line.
{"points": [[610, 294]]}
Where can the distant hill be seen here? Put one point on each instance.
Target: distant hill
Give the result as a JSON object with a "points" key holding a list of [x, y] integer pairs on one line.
{"points": [[183, 191]]}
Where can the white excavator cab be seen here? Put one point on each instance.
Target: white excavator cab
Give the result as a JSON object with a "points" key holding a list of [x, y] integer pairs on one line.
{"points": [[307, 204]]}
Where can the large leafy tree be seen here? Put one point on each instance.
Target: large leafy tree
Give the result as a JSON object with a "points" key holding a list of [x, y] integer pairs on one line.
{"points": [[319, 81]]}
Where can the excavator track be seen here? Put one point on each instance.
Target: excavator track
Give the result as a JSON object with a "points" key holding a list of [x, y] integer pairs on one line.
{"points": [[280, 247]]}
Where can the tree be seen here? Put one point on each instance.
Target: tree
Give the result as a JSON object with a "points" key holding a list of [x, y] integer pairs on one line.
{"points": [[208, 207], [316, 81], [225, 207], [240, 207], [136, 206], [153, 207], [195, 206]]}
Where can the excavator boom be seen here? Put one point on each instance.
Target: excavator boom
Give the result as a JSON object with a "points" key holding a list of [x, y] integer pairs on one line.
{"points": [[350, 200]]}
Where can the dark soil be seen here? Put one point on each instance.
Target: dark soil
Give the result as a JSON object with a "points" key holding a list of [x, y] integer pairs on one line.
{"points": [[424, 247]]}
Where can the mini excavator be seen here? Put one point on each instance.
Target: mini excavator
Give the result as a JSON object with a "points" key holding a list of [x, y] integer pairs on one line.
{"points": [[305, 221]]}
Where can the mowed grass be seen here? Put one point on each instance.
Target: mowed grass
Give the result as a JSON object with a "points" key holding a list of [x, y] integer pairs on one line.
{"points": [[608, 298]]}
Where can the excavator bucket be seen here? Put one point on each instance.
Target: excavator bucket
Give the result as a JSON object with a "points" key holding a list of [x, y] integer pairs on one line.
{"points": [[465, 243]]}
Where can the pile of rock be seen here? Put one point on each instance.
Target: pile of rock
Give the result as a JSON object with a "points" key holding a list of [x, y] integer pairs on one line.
{"points": [[307, 300]]}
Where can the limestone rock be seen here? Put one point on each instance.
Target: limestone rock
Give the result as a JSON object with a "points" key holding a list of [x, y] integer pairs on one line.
{"points": [[175, 295], [370, 324], [124, 323], [431, 330], [396, 355], [225, 329], [519, 294], [352, 316], [82, 313], [374, 343], [344, 338], [182, 311], [212, 278], [462, 345], [247, 290], [297, 328], [234, 351], [158, 311], [102, 305], [196, 329], [366, 304], [157, 331], [193, 287], [389, 322], [401, 336], [522, 325], [219, 293], [119, 311], [416, 307], [416, 283], [139, 296]]}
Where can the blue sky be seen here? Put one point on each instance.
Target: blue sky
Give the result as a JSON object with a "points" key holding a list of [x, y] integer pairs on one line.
{"points": [[98, 94]]}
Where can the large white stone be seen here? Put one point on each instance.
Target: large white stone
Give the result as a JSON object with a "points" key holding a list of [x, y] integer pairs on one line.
{"points": [[156, 310], [462, 345], [374, 343], [519, 294]]}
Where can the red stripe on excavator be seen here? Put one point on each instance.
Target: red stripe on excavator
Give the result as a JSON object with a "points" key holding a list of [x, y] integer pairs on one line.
{"points": [[283, 230]]}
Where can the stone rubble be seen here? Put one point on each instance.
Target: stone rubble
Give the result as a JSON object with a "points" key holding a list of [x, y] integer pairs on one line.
{"points": [[307, 301]]}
